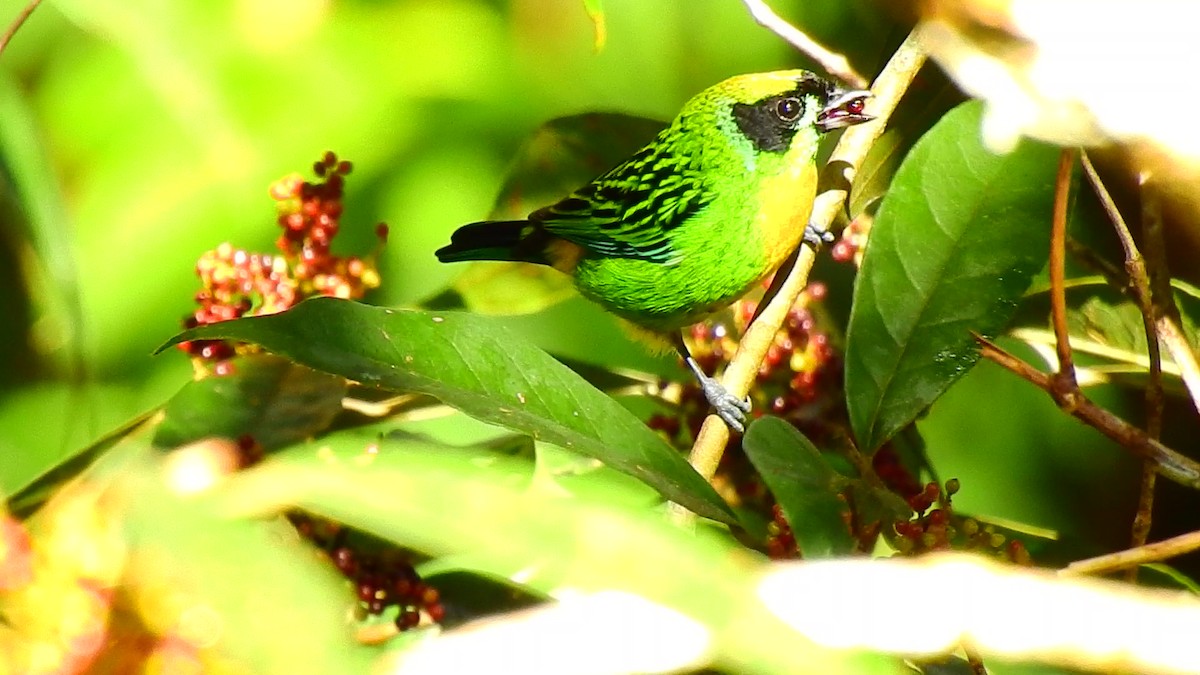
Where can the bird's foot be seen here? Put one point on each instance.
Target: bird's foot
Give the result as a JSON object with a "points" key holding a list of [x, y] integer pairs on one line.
{"points": [[729, 408], [816, 237]]}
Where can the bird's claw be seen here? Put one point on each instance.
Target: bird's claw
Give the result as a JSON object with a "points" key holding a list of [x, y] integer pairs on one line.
{"points": [[816, 237], [729, 408]]}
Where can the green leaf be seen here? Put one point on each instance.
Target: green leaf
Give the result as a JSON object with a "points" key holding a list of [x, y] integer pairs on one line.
{"points": [[557, 158], [473, 364], [955, 244], [1173, 575], [275, 401], [475, 512], [1109, 317], [803, 483], [475, 595]]}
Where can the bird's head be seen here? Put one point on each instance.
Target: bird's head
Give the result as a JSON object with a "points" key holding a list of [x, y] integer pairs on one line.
{"points": [[770, 109]]}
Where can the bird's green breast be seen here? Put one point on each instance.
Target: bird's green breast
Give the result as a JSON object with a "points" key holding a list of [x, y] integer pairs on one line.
{"points": [[720, 259]]}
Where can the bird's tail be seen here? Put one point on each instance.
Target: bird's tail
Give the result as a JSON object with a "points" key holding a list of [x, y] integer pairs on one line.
{"points": [[493, 240]]}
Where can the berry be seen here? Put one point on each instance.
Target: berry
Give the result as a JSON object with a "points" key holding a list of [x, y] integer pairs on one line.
{"points": [[236, 283]]}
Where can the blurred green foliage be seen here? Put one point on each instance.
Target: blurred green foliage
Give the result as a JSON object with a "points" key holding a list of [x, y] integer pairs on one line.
{"points": [[136, 135], [164, 123]]}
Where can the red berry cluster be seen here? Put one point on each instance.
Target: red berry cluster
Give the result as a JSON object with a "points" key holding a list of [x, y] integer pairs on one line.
{"points": [[382, 578], [236, 283], [940, 529], [310, 215], [850, 246]]}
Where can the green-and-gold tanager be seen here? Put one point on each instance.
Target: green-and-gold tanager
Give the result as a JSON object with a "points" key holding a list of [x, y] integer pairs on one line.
{"points": [[692, 221]]}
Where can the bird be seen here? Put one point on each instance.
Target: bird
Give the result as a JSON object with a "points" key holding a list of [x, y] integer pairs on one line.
{"points": [[693, 220]]}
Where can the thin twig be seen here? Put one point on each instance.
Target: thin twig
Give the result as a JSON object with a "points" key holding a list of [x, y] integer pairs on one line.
{"points": [[1058, 284], [1135, 269], [17, 23], [1131, 558], [1166, 314], [1169, 463], [849, 153], [835, 64]]}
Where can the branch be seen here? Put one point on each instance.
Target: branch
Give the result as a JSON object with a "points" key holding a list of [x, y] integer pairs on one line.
{"points": [[1135, 268], [1058, 284], [835, 64], [1131, 558], [839, 171], [17, 23], [1164, 311], [1169, 463]]}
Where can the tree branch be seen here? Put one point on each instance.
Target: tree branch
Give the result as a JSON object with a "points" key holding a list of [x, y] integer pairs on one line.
{"points": [[1169, 463], [1131, 558], [17, 23], [835, 64]]}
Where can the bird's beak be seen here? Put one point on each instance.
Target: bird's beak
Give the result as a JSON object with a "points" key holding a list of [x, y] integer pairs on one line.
{"points": [[845, 108]]}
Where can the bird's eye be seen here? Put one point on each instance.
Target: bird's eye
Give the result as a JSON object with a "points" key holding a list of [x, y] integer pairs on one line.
{"points": [[789, 109]]}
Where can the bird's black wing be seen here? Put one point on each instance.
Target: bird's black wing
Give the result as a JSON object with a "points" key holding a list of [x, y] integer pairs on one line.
{"points": [[631, 211]]}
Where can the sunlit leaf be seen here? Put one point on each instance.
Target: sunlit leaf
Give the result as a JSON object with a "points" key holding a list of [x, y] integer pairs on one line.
{"points": [[1113, 319], [804, 485], [473, 364], [1105, 322], [955, 244], [454, 503]]}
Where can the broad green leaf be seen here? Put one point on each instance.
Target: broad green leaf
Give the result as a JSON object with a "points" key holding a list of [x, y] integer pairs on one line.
{"points": [[471, 363], [804, 485], [478, 511], [560, 156], [271, 399], [955, 244]]}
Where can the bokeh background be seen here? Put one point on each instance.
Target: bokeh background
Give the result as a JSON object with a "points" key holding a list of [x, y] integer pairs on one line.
{"points": [[138, 134]]}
